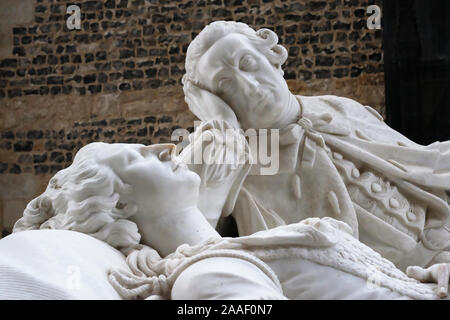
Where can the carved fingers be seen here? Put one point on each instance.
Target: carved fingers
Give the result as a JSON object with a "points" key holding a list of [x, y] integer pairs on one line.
{"points": [[443, 272], [208, 106], [438, 273]]}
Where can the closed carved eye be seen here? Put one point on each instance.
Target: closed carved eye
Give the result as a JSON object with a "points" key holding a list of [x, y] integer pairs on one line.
{"points": [[248, 63]]}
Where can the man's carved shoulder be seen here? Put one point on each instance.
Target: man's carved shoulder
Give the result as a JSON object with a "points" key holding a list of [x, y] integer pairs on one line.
{"points": [[340, 105]]}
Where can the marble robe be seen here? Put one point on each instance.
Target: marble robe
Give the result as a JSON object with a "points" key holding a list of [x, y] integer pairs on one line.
{"points": [[341, 160]]}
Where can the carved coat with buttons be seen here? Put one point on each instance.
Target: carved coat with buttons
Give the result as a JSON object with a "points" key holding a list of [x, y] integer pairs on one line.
{"points": [[341, 160]]}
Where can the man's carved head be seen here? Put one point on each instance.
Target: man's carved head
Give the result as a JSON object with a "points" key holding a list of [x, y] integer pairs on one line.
{"points": [[242, 67]]}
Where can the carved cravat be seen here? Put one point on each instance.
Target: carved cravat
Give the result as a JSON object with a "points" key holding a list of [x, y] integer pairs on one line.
{"points": [[395, 201]]}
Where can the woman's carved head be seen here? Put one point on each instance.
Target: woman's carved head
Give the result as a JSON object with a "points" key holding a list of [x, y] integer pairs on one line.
{"points": [[113, 191], [107, 187], [86, 197]]}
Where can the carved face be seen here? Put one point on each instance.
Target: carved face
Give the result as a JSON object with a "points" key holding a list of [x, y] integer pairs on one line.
{"points": [[244, 78], [160, 182]]}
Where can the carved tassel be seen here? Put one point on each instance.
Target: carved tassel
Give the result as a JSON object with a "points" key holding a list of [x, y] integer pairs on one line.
{"points": [[296, 186], [332, 198]]}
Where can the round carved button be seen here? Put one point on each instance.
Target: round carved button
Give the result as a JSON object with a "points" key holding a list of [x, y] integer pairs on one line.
{"points": [[337, 156], [355, 173], [376, 187], [394, 203], [411, 216]]}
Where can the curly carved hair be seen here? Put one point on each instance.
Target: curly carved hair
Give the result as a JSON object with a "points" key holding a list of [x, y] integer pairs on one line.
{"points": [[264, 40], [85, 197]]}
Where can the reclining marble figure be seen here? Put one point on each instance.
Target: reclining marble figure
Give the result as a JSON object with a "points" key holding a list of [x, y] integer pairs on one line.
{"points": [[109, 196], [349, 189], [337, 158], [142, 202]]}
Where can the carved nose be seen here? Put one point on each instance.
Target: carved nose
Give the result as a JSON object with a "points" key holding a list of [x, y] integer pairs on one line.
{"points": [[250, 84], [167, 153], [164, 151]]}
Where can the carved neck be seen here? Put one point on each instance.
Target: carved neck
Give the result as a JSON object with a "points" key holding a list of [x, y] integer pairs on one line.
{"points": [[290, 114], [167, 232]]}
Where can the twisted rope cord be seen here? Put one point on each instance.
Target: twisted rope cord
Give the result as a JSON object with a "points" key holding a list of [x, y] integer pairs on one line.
{"points": [[131, 286]]}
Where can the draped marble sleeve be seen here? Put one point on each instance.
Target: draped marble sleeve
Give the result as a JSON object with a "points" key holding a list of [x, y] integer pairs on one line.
{"points": [[341, 160], [407, 184], [263, 266]]}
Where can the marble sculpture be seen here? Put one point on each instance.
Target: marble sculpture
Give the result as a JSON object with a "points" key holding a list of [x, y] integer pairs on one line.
{"points": [[355, 210]]}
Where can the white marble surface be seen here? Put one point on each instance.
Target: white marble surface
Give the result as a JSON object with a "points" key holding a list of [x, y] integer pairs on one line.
{"points": [[337, 157], [56, 264], [348, 189]]}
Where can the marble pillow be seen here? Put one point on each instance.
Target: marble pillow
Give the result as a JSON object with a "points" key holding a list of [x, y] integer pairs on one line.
{"points": [[56, 264]]}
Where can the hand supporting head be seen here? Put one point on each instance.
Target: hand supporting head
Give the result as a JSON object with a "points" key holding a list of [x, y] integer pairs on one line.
{"points": [[242, 68]]}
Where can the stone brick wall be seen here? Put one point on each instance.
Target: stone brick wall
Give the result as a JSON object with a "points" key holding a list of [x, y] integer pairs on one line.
{"points": [[118, 79]]}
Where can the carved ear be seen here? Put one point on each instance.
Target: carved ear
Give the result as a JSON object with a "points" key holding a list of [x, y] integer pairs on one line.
{"points": [[207, 106]]}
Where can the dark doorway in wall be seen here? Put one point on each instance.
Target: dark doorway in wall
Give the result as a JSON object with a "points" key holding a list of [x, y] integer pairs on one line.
{"points": [[417, 68]]}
